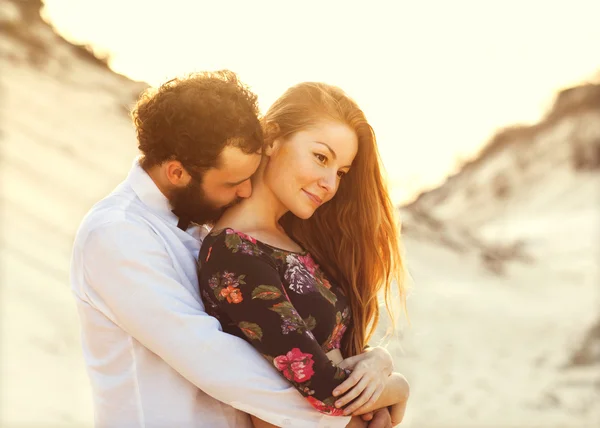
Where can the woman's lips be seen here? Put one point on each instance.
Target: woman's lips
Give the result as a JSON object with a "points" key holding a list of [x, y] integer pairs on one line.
{"points": [[314, 198]]}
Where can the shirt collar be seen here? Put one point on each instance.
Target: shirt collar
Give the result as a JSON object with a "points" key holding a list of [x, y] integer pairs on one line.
{"points": [[149, 193]]}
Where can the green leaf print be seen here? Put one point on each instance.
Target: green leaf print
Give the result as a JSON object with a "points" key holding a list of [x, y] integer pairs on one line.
{"points": [[266, 292], [326, 293], [269, 358], [251, 330], [285, 309], [279, 255], [310, 322], [291, 319], [339, 374], [329, 401], [233, 241]]}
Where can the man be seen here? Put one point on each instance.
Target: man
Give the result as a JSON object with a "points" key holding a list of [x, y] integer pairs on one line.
{"points": [[154, 357]]}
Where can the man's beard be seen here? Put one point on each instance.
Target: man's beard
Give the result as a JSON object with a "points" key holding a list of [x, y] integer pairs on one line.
{"points": [[191, 204]]}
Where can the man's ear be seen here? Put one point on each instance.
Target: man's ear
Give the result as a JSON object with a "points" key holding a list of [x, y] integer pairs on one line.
{"points": [[176, 173]]}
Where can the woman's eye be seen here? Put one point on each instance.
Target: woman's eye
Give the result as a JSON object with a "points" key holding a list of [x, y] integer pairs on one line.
{"points": [[321, 158]]}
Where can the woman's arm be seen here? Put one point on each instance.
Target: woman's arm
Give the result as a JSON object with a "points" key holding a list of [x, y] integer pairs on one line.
{"points": [[245, 288]]}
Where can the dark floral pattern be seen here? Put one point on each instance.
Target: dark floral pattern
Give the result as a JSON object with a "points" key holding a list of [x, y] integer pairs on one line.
{"points": [[226, 286], [281, 303], [341, 323], [298, 276]]}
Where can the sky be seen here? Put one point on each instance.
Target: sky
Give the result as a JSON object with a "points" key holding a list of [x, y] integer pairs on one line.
{"points": [[436, 79]]}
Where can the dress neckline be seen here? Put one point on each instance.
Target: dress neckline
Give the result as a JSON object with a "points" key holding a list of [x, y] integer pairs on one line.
{"points": [[250, 237]]}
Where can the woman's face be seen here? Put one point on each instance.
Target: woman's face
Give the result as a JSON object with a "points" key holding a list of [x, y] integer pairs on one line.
{"points": [[304, 171]]}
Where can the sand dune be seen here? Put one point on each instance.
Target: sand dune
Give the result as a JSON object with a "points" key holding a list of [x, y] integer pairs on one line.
{"points": [[503, 256]]}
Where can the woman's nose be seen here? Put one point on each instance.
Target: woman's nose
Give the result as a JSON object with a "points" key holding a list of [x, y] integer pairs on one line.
{"points": [[329, 181]]}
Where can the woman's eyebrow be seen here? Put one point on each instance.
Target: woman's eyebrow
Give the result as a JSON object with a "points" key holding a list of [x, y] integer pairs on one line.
{"points": [[333, 154]]}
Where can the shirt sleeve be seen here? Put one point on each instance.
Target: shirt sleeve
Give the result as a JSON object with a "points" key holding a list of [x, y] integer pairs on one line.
{"points": [[246, 292], [131, 279]]}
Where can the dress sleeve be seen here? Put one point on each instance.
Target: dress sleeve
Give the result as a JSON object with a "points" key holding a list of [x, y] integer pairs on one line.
{"points": [[245, 290]]}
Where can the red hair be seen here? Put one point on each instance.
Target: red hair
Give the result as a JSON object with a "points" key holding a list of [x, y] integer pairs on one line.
{"points": [[355, 237]]}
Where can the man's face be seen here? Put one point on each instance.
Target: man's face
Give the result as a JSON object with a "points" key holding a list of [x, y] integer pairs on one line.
{"points": [[204, 201]]}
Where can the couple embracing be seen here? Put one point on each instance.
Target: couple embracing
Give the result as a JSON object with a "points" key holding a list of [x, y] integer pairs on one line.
{"points": [[232, 279]]}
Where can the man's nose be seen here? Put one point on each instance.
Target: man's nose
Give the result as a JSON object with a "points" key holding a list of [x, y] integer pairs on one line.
{"points": [[244, 190]]}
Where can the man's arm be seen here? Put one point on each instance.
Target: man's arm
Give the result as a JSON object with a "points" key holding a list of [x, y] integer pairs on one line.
{"points": [[133, 282]]}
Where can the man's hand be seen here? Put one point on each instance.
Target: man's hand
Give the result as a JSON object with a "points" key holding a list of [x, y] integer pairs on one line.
{"points": [[357, 422], [381, 419]]}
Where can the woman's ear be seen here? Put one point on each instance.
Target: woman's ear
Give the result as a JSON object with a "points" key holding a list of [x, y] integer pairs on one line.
{"points": [[271, 131], [271, 147]]}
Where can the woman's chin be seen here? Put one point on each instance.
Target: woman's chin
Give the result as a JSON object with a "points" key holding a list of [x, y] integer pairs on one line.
{"points": [[303, 213]]}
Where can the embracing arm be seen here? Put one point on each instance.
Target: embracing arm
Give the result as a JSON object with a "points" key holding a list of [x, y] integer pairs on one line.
{"points": [[246, 288], [133, 282]]}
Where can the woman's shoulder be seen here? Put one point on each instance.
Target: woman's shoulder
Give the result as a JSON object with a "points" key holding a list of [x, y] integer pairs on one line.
{"points": [[232, 241], [253, 241]]}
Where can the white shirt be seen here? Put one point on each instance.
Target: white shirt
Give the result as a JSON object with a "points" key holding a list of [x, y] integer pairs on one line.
{"points": [[154, 357]]}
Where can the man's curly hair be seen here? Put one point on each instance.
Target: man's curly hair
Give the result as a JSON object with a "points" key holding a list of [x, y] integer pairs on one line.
{"points": [[192, 118]]}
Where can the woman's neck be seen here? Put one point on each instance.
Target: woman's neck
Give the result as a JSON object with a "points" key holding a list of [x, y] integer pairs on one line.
{"points": [[261, 211]]}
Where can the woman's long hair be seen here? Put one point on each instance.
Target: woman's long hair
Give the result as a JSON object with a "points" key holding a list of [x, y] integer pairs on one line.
{"points": [[355, 237]]}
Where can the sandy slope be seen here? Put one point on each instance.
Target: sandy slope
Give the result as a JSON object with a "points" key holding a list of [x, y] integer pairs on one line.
{"points": [[488, 340]]}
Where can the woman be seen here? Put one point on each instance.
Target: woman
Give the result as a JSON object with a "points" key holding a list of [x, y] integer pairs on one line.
{"points": [[296, 268]]}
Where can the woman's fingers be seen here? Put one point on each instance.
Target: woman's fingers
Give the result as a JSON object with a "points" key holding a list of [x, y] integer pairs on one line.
{"points": [[372, 400], [350, 362], [352, 380], [352, 394], [361, 400]]}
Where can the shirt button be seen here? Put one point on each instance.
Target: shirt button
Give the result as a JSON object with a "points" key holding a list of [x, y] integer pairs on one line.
{"points": [[287, 423]]}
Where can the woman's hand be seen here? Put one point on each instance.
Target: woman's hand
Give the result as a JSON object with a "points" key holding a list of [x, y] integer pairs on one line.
{"points": [[370, 371]]}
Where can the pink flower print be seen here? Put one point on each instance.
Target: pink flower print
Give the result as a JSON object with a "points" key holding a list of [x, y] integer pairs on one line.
{"points": [[295, 365], [240, 234], [246, 237], [308, 263], [324, 408]]}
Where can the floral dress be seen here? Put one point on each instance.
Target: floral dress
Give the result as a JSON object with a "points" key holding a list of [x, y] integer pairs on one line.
{"points": [[281, 303]]}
